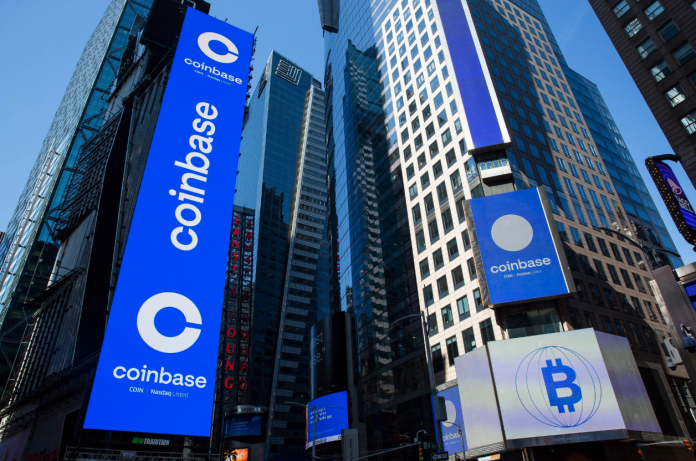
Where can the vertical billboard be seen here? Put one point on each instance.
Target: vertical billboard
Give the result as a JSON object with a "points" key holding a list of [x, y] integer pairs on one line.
{"points": [[157, 367], [451, 438], [679, 207], [485, 126], [332, 418], [521, 256]]}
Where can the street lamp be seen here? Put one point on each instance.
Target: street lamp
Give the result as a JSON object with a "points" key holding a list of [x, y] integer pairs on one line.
{"points": [[643, 248], [314, 423], [428, 357]]}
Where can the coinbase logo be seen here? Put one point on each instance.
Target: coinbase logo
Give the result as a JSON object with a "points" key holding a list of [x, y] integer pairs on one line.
{"points": [[204, 44], [558, 387], [156, 340], [512, 232]]}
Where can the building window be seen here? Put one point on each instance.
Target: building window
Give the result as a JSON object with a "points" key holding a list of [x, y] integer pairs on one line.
{"points": [[438, 361], [633, 27], [420, 241], [638, 306], [653, 11], [591, 320], [432, 324], [452, 350], [442, 288], [614, 274], [447, 221], [429, 204], [487, 334], [638, 337], [620, 8], [606, 321], [627, 278], [668, 30], [433, 231], [457, 277], [596, 293], [683, 53], [675, 95], [424, 268], [428, 295], [478, 302], [463, 308], [532, 322], [689, 122], [469, 340], [447, 319], [646, 48], [660, 70], [471, 265], [561, 231], [574, 318], [466, 240], [600, 270], [438, 260], [452, 249]]}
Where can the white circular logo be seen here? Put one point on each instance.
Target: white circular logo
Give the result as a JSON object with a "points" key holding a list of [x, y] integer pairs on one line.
{"points": [[155, 339], [204, 44], [451, 413], [512, 232]]}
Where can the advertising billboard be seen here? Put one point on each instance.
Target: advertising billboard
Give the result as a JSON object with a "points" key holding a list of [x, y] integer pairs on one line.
{"points": [[485, 126], [243, 426], [450, 432], [156, 372], [238, 454], [332, 418], [679, 207], [521, 256], [327, 348], [558, 385]]}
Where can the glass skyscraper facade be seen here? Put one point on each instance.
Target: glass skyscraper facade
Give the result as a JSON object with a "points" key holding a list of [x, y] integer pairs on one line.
{"points": [[627, 180], [376, 282], [400, 116], [29, 251], [282, 177]]}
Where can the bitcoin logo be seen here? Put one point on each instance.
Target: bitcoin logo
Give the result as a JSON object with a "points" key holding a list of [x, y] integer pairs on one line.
{"points": [[558, 387]]}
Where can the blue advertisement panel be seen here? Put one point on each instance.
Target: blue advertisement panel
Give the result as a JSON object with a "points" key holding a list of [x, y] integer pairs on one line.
{"points": [[451, 437], [156, 371], [484, 119], [332, 418], [243, 426], [675, 189], [517, 249]]}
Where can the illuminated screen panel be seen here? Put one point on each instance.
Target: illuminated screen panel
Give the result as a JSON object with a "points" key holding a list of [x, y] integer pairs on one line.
{"points": [[554, 385], [156, 372], [517, 248], [332, 418]]}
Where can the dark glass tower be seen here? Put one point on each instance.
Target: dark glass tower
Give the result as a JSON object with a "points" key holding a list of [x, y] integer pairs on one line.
{"points": [[371, 239], [29, 251], [282, 178]]}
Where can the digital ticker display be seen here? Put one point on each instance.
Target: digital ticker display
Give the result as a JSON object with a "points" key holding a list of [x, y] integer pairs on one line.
{"points": [[156, 372], [332, 418], [243, 426]]}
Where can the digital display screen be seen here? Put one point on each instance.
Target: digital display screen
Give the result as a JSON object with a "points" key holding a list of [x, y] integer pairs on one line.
{"points": [[517, 249], [675, 189], [157, 368], [332, 418], [690, 289], [553, 384], [450, 432], [239, 454], [244, 425]]}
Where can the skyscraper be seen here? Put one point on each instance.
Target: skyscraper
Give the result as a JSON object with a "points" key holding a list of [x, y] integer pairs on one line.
{"points": [[29, 251], [452, 102], [282, 178], [655, 40], [646, 222]]}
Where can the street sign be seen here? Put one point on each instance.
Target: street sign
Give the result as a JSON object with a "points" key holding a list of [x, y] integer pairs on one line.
{"points": [[438, 456], [429, 445]]}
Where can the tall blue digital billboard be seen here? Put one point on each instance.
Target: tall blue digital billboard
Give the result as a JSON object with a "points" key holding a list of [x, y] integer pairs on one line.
{"points": [[156, 371], [485, 125], [517, 250], [451, 437], [332, 418]]}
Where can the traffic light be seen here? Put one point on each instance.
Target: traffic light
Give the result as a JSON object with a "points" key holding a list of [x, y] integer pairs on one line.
{"points": [[420, 453], [687, 444], [641, 456]]}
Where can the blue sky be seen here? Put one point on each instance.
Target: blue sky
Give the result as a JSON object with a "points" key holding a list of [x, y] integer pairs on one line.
{"points": [[43, 39]]}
